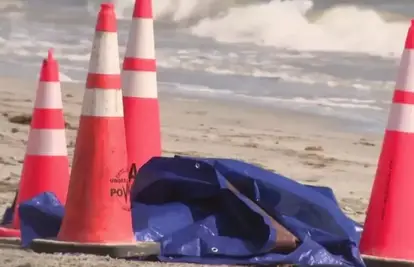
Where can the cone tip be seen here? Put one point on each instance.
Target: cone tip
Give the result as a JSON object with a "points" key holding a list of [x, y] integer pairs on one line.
{"points": [[143, 9], [50, 54], [107, 6], [49, 71], [409, 41], [106, 18]]}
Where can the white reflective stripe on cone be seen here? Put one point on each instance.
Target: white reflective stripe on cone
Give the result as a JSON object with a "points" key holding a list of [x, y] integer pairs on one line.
{"points": [[405, 79], [49, 96], [103, 103], [142, 84], [401, 118], [47, 142], [141, 39], [105, 54]]}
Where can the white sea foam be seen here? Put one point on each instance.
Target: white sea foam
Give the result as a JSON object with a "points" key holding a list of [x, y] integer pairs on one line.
{"points": [[285, 24]]}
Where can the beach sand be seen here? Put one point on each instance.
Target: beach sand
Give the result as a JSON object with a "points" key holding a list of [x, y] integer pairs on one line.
{"points": [[307, 148]]}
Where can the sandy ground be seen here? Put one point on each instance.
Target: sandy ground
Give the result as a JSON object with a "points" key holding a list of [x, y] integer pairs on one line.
{"points": [[306, 148]]}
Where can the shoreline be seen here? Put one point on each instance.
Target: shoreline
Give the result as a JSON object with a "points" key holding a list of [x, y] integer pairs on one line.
{"points": [[351, 120], [332, 121]]}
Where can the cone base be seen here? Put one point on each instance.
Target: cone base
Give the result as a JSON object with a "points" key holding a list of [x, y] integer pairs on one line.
{"points": [[9, 233], [113, 250], [372, 261]]}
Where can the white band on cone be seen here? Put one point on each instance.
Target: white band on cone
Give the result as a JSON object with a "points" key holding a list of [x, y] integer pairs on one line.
{"points": [[103, 103], [47, 142], [49, 96], [105, 43], [405, 79], [142, 45], [401, 118], [142, 84]]}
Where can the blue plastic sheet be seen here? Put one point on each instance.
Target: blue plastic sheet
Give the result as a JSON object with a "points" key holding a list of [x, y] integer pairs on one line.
{"points": [[220, 211]]}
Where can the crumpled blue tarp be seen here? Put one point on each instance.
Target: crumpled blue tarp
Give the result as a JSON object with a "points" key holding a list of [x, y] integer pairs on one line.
{"points": [[218, 211]]}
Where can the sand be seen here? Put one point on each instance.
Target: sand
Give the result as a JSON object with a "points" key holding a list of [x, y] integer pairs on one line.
{"points": [[307, 148]]}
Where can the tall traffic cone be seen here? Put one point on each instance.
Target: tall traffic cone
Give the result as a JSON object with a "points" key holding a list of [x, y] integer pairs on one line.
{"points": [[46, 164], [140, 96], [388, 234], [97, 216]]}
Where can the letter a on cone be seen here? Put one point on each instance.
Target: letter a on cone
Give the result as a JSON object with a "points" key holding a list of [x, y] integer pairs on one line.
{"points": [[97, 216], [388, 233]]}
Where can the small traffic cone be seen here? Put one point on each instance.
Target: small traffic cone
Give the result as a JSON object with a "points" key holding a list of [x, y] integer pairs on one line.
{"points": [[140, 96], [387, 238], [46, 164], [97, 216]]}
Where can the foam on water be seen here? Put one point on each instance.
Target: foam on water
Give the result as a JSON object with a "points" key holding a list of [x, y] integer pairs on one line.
{"points": [[283, 25], [326, 103], [286, 24], [294, 24]]}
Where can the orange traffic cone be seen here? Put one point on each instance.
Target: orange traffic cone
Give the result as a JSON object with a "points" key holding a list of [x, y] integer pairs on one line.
{"points": [[46, 164], [388, 234], [140, 96], [97, 216]]}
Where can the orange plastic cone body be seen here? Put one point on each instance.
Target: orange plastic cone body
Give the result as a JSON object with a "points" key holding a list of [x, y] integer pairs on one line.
{"points": [[388, 230], [46, 164], [140, 93], [98, 205]]}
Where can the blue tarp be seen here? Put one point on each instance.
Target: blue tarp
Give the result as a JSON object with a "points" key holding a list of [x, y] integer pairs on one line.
{"points": [[220, 211]]}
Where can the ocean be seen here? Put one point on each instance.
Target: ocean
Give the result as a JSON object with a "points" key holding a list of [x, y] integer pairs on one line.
{"points": [[335, 58]]}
